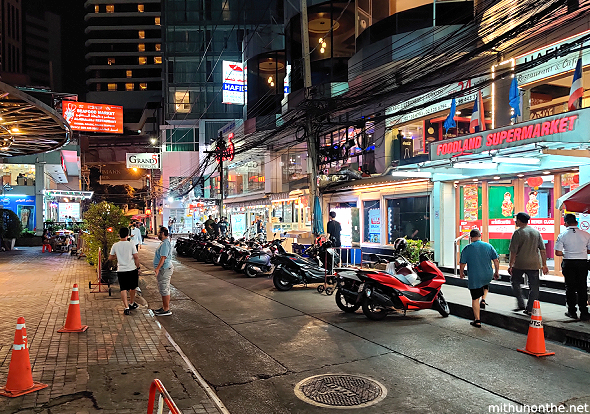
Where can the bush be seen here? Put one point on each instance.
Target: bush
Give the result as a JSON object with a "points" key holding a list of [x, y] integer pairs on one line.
{"points": [[102, 222], [10, 225], [415, 248]]}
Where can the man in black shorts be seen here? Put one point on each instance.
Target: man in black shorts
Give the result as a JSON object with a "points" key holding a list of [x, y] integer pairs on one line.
{"points": [[127, 268]]}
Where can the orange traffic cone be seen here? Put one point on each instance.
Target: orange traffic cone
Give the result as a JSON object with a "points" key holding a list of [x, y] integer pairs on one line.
{"points": [[535, 341], [20, 378], [73, 321]]}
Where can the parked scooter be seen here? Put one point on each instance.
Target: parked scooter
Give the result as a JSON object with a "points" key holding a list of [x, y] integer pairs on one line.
{"points": [[259, 261]]}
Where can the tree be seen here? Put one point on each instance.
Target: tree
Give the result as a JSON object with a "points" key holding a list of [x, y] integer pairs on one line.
{"points": [[10, 225], [103, 221]]}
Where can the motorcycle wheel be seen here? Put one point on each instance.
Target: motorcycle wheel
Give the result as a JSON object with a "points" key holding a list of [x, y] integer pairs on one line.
{"points": [[250, 272], [280, 283], [373, 310], [440, 304], [329, 291], [217, 260], [320, 288], [228, 264], [344, 305]]}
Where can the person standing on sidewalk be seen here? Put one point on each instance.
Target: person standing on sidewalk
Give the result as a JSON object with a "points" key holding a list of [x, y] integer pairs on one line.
{"points": [[574, 245], [333, 228], [142, 231], [127, 268], [163, 269], [135, 236], [478, 256], [527, 256]]}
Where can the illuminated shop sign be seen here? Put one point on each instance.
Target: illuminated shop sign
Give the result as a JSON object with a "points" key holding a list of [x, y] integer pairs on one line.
{"points": [[148, 161], [234, 83], [559, 128], [93, 117]]}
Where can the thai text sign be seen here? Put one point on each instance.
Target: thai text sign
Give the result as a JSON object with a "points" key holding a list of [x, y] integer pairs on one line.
{"points": [[92, 117], [503, 228], [148, 161], [234, 83], [560, 128]]}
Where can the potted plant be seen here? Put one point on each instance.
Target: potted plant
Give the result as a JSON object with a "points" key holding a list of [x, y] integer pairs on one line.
{"points": [[10, 227], [102, 222]]}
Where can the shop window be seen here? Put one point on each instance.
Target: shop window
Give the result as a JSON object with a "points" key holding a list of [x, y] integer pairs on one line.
{"points": [[141, 47], [140, 8], [143, 86], [409, 218], [129, 86], [129, 73], [157, 60], [112, 86], [157, 21], [110, 8], [372, 221], [98, 87], [110, 61], [141, 34], [501, 208], [96, 8], [182, 101], [142, 60]]}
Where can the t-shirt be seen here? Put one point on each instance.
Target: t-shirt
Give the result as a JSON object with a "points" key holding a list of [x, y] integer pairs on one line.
{"points": [[334, 230], [135, 235], [124, 251], [142, 230], [574, 243], [163, 249], [478, 256], [526, 244]]}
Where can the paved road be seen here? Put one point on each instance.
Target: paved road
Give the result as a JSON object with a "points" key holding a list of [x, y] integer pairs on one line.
{"points": [[253, 344]]}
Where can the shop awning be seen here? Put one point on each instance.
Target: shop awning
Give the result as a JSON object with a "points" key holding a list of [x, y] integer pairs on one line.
{"points": [[28, 126], [380, 181], [577, 201]]}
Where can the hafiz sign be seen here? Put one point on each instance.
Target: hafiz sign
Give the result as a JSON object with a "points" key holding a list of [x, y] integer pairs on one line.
{"points": [[560, 128], [148, 161], [234, 83]]}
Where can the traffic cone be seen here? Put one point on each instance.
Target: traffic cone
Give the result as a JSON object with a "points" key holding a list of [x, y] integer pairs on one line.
{"points": [[535, 341], [73, 321], [20, 377]]}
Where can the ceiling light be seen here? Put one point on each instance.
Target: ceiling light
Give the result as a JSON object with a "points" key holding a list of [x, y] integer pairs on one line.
{"points": [[14, 129], [475, 165], [170, 199], [576, 169], [411, 174], [517, 160], [520, 175], [153, 141], [546, 172], [66, 200], [475, 179], [496, 178]]}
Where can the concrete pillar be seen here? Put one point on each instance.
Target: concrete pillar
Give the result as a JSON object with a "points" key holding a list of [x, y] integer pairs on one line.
{"points": [[39, 201], [501, 108], [443, 222]]}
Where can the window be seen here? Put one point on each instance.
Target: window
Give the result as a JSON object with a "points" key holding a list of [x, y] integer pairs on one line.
{"points": [[112, 86], [141, 47], [110, 8], [157, 21], [182, 101], [129, 86], [96, 8], [409, 217], [111, 61], [129, 73], [98, 87], [142, 60], [372, 221], [141, 34], [157, 60], [140, 8], [158, 47], [143, 86]]}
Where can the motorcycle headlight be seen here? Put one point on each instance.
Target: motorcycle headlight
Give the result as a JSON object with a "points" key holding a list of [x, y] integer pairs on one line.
{"points": [[368, 292]]}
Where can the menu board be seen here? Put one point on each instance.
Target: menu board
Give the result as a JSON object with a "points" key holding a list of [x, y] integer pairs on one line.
{"points": [[470, 202]]}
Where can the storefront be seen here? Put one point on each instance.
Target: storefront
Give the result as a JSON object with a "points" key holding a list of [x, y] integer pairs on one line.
{"points": [[291, 213], [248, 218], [189, 214]]}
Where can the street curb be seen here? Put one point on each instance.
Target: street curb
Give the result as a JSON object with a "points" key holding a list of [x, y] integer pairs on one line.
{"points": [[554, 331]]}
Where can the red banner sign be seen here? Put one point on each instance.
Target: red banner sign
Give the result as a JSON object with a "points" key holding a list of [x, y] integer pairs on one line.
{"points": [[466, 226], [92, 117], [503, 228]]}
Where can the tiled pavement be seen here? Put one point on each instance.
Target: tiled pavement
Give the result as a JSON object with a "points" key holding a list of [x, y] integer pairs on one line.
{"points": [[108, 368]]}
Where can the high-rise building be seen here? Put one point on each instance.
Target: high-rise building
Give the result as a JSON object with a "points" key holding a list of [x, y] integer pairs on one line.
{"points": [[42, 50]]}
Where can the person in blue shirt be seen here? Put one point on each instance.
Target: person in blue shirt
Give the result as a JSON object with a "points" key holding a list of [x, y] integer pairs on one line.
{"points": [[163, 269], [478, 256]]}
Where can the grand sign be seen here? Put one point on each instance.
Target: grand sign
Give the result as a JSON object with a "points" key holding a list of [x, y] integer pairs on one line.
{"points": [[91, 117], [148, 161], [560, 128]]}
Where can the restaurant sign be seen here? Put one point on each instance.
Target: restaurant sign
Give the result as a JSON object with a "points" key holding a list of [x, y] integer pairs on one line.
{"points": [[564, 127]]}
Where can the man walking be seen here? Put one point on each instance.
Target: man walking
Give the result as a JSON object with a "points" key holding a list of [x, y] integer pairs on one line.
{"points": [[209, 225], [127, 268], [527, 256], [333, 228], [135, 236], [142, 230], [478, 256], [163, 269], [574, 245]]}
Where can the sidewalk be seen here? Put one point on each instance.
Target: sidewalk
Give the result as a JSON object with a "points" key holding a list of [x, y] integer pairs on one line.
{"points": [[109, 368]]}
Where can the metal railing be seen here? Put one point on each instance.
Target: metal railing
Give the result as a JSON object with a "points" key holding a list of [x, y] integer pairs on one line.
{"points": [[164, 398], [456, 244]]}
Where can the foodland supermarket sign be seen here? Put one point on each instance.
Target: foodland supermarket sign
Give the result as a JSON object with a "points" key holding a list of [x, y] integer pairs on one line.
{"points": [[564, 127], [148, 161]]}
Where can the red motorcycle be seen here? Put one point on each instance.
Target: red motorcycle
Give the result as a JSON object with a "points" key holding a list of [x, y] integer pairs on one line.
{"points": [[403, 286]]}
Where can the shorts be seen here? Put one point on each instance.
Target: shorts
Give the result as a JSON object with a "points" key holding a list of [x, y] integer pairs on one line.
{"points": [[128, 280], [163, 278], [478, 293]]}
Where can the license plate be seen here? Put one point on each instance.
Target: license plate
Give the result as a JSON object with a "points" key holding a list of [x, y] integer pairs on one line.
{"points": [[361, 287]]}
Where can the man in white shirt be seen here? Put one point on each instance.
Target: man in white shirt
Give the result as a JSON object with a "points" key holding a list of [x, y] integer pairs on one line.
{"points": [[135, 236], [574, 245], [127, 268]]}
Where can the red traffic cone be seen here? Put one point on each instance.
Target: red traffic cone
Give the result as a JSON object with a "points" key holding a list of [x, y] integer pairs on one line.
{"points": [[535, 341], [73, 320], [20, 377]]}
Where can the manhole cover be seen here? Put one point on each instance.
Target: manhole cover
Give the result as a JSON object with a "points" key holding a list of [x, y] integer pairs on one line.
{"points": [[340, 391]]}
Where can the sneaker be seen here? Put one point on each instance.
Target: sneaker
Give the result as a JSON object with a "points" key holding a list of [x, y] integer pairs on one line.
{"points": [[137, 290], [163, 312], [126, 312], [156, 311], [572, 315], [133, 306]]}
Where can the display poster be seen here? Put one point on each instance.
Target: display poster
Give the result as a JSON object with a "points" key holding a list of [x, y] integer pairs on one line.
{"points": [[467, 226], [470, 202], [375, 225], [93, 117], [503, 228], [23, 207], [344, 217], [234, 83], [66, 210], [238, 225]]}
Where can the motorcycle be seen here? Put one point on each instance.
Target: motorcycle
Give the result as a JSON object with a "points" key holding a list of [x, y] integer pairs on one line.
{"points": [[259, 261]]}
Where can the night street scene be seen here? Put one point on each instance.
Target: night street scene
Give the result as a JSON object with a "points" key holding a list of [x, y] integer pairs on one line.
{"points": [[294, 206]]}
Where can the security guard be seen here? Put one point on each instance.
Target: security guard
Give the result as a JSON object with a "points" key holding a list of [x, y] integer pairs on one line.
{"points": [[574, 245]]}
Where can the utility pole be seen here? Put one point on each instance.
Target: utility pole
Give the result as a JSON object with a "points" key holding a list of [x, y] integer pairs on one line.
{"points": [[309, 131]]}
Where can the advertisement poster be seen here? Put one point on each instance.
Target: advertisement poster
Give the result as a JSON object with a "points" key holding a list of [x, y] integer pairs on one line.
{"points": [[93, 117], [234, 83], [470, 202], [69, 210], [23, 207], [238, 225], [344, 216], [374, 225]]}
